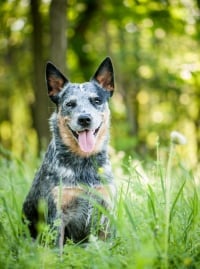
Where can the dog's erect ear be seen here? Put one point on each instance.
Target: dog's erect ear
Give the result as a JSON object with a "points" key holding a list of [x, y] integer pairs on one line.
{"points": [[105, 75], [55, 81]]}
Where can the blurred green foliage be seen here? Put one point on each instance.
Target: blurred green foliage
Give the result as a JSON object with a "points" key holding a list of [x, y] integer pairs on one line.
{"points": [[155, 50]]}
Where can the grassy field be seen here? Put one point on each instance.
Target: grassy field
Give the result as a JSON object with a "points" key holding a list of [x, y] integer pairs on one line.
{"points": [[157, 219]]}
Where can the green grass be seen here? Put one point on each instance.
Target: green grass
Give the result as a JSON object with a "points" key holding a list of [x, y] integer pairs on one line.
{"points": [[157, 220]]}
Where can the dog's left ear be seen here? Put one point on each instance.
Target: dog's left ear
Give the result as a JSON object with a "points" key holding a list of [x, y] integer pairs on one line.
{"points": [[105, 75], [55, 81]]}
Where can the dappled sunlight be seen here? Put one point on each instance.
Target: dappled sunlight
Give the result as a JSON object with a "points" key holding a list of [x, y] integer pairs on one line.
{"points": [[143, 97], [5, 131], [157, 116], [151, 139], [17, 134]]}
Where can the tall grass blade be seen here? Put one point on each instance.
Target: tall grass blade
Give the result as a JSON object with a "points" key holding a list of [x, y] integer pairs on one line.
{"points": [[151, 201], [175, 201]]}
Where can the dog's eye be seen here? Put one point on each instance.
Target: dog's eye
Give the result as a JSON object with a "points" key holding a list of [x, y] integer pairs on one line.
{"points": [[70, 104], [97, 101]]}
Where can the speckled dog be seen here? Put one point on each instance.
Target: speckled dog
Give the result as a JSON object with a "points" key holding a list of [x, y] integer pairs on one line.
{"points": [[75, 179]]}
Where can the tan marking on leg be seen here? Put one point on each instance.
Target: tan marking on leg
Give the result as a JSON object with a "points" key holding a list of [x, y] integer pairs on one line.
{"points": [[64, 196], [107, 193]]}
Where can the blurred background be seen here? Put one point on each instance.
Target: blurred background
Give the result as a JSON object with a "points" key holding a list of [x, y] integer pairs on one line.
{"points": [[155, 48]]}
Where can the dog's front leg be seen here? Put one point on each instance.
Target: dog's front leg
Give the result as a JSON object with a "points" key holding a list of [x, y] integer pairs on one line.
{"points": [[64, 199]]}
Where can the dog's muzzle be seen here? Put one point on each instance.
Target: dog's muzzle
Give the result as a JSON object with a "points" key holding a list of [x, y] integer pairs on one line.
{"points": [[86, 138]]}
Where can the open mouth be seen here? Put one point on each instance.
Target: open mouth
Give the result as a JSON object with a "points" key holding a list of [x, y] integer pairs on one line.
{"points": [[86, 138]]}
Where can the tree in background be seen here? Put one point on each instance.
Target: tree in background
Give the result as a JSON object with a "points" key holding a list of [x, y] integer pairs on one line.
{"points": [[58, 32], [57, 53], [39, 107]]}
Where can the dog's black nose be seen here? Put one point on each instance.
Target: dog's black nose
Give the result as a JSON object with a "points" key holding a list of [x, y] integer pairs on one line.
{"points": [[84, 120]]}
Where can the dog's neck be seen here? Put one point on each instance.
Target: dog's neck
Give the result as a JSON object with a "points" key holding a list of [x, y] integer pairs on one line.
{"points": [[83, 170]]}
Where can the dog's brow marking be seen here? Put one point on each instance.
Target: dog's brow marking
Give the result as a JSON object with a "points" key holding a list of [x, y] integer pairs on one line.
{"points": [[67, 195], [73, 98], [93, 95]]}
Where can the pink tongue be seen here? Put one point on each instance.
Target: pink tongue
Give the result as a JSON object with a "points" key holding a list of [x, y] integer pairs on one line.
{"points": [[86, 140]]}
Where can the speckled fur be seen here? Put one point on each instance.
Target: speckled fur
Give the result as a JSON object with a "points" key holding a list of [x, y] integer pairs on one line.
{"points": [[70, 180]]}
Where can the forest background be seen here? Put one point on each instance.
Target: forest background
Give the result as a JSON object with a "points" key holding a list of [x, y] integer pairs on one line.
{"points": [[155, 50]]}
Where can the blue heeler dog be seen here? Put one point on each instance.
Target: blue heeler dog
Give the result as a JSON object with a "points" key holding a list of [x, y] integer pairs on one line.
{"points": [[75, 179]]}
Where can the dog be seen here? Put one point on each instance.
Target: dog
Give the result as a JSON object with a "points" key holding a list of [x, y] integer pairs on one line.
{"points": [[75, 179]]}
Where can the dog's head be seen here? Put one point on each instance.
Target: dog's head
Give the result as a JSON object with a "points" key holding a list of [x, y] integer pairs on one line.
{"points": [[83, 114]]}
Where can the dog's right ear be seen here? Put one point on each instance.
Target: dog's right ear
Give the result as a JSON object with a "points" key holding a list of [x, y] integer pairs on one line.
{"points": [[55, 81]]}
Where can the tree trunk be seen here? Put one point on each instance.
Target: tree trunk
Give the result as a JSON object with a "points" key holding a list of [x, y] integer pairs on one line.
{"points": [[58, 27], [40, 106]]}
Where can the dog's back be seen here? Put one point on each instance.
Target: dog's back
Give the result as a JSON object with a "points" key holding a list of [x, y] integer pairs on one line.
{"points": [[76, 172]]}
